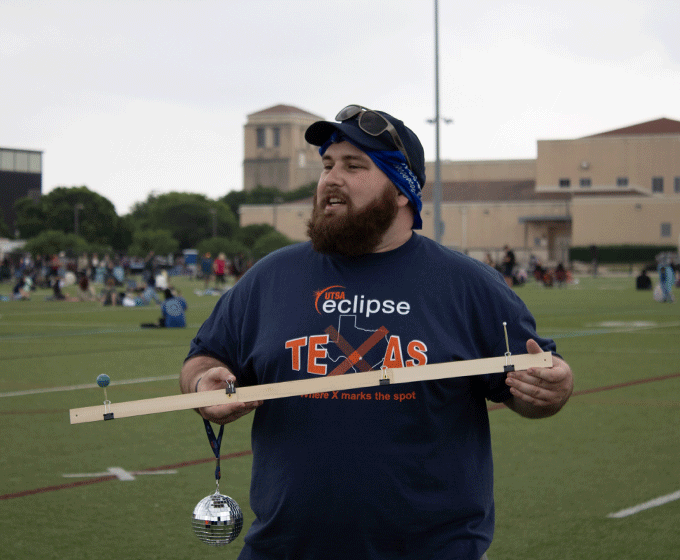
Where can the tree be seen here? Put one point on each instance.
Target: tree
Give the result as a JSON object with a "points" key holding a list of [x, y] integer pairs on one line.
{"points": [[217, 245], [94, 215], [52, 242], [187, 216], [30, 217], [267, 195], [159, 241], [121, 237], [234, 199], [249, 234], [64, 207], [4, 230], [270, 242]]}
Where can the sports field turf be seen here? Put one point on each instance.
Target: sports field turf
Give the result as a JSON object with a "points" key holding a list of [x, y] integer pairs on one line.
{"points": [[615, 446]]}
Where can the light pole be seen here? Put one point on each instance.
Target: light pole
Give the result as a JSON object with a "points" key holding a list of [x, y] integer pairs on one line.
{"points": [[437, 191], [278, 200], [437, 188], [77, 208]]}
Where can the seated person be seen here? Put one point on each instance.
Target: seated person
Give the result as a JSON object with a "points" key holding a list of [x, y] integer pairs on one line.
{"points": [[148, 293], [22, 289], [56, 290], [643, 282], [560, 274], [85, 289], [110, 295], [57, 294], [173, 309]]}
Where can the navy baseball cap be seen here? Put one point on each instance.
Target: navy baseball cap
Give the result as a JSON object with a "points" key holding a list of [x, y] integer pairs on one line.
{"points": [[320, 132]]}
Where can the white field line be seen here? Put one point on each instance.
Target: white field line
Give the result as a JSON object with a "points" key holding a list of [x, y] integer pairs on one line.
{"points": [[28, 336], [634, 351], [87, 386], [595, 331], [119, 473], [647, 505]]}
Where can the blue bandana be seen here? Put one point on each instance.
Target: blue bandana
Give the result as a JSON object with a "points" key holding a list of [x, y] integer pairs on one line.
{"points": [[393, 164]]}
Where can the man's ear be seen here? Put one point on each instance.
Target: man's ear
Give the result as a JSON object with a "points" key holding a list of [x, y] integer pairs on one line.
{"points": [[402, 199]]}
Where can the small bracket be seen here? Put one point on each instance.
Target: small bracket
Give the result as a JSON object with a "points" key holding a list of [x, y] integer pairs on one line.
{"points": [[108, 415], [384, 380], [230, 390]]}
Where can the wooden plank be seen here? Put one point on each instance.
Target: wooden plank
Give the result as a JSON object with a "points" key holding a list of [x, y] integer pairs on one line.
{"points": [[308, 386]]}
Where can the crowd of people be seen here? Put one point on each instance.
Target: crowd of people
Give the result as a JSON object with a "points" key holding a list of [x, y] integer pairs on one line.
{"points": [[515, 275], [216, 270], [111, 281]]}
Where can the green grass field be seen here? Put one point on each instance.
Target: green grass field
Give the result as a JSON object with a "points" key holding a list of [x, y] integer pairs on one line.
{"points": [[613, 447]]}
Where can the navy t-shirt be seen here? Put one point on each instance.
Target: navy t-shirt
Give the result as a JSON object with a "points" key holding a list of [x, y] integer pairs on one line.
{"points": [[399, 471]]}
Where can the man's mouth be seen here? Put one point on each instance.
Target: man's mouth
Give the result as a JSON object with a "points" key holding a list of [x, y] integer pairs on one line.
{"points": [[334, 201]]}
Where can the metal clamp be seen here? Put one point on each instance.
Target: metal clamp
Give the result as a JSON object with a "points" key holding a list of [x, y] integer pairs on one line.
{"points": [[508, 366], [108, 415]]}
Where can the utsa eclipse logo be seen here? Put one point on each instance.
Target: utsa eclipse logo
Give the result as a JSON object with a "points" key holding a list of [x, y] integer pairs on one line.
{"points": [[333, 299]]}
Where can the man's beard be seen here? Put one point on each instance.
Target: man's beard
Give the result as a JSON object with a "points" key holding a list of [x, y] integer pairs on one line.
{"points": [[356, 232]]}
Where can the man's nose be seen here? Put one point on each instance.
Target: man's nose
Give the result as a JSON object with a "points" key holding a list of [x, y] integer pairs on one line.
{"points": [[333, 177]]}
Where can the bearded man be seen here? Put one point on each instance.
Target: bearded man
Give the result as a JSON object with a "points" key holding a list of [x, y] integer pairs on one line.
{"points": [[400, 471]]}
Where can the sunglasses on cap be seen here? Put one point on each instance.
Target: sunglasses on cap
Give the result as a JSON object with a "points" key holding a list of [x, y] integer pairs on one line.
{"points": [[373, 123]]}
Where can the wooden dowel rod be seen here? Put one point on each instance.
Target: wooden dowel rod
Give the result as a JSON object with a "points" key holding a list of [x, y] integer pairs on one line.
{"points": [[308, 386]]}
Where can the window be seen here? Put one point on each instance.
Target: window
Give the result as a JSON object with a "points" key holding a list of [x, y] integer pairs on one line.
{"points": [[584, 182], [6, 160], [260, 137], [34, 163], [676, 185], [21, 162], [622, 181], [666, 229], [657, 184], [17, 160], [277, 136], [565, 183]]}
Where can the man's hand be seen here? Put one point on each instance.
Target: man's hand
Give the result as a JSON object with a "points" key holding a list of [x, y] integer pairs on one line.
{"points": [[540, 392], [204, 373]]}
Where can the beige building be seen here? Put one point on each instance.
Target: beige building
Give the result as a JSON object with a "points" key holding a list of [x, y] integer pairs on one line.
{"points": [[275, 151], [617, 187]]}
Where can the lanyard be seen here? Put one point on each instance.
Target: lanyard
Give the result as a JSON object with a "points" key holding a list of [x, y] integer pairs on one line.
{"points": [[215, 443]]}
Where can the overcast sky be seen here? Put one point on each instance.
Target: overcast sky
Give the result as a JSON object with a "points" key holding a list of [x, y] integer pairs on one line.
{"points": [[130, 97]]}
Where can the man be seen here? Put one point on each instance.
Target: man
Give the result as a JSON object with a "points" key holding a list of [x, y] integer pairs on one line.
{"points": [[509, 262], [401, 471], [206, 268]]}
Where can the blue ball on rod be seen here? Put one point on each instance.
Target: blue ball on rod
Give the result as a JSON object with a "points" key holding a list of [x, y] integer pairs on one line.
{"points": [[103, 380]]}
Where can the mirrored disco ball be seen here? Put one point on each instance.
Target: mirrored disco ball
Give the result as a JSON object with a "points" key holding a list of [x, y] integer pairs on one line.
{"points": [[217, 520]]}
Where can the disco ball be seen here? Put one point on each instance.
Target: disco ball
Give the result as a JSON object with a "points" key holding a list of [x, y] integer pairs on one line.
{"points": [[217, 520]]}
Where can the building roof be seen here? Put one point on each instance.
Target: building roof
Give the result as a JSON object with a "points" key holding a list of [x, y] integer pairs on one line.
{"points": [[484, 191], [284, 109], [649, 128], [493, 191]]}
